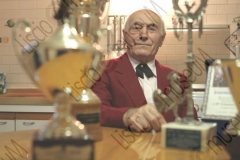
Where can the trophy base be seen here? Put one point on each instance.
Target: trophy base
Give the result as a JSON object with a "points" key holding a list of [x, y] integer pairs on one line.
{"points": [[187, 136], [62, 149], [221, 125], [233, 146], [88, 113]]}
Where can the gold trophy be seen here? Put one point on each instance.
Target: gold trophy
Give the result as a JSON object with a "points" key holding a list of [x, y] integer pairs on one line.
{"points": [[231, 73], [231, 136], [185, 132], [64, 67]]}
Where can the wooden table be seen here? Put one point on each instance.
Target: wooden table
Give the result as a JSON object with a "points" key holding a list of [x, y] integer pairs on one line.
{"points": [[117, 144]]}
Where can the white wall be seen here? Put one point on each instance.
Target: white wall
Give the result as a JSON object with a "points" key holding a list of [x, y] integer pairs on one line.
{"points": [[219, 12]]}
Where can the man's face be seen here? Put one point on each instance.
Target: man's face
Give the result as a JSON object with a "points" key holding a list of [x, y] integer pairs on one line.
{"points": [[143, 35]]}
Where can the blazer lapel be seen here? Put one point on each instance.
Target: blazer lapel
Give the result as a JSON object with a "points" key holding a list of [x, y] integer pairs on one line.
{"points": [[162, 74], [127, 77]]}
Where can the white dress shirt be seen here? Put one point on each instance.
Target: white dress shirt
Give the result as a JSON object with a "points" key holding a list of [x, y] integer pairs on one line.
{"points": [[149, 85]]}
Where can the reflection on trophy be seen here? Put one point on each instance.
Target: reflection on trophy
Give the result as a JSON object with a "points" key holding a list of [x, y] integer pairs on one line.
{"points": [[185, 132], [65, 67]]}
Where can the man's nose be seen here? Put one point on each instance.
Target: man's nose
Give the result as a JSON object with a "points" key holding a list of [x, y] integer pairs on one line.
{"points": [[144, 34]]}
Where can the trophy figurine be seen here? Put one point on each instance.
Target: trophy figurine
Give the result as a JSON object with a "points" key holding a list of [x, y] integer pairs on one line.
{"points": [[61, 66], [185, 132]]}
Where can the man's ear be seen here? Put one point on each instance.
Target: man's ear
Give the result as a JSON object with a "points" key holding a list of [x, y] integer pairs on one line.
{"points": [[162, 40], [127, 37], [124, 33]]}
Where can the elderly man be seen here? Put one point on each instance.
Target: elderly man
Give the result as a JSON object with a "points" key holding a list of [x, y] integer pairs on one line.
{"points": [[127, 85]]}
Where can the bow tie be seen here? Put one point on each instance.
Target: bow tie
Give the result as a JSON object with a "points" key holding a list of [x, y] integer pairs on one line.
{"points": [[143, 68]]}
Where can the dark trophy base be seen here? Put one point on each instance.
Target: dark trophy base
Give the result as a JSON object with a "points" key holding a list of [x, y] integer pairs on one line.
{"points": [[187, 136], [232, 146], [63, 149]]}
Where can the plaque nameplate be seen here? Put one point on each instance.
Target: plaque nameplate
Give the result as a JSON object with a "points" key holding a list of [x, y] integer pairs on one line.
{"points": [[88, 118], [62, 149], [186, 136], [183, 139]]}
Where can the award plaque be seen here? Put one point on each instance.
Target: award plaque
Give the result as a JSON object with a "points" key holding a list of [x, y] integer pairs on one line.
{"points": [[61, 67], [219, 106], [185, 132], [218, 100]]}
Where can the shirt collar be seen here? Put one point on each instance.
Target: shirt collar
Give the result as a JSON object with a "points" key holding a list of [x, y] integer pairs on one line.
{"points": [[150, 64]]}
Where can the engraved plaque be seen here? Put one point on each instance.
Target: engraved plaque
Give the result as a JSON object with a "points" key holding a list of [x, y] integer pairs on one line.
{"points": [[184, 139]]}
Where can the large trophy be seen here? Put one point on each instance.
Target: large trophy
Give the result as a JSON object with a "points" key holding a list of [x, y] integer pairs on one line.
{"points": [[185, 132], [231, 71], [65, 67]]}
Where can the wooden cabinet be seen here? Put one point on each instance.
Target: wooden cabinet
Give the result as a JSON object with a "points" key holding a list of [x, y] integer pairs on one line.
{"points": [[7, 125], [29, 124], [23, 121], [24, 109], [7, 122], [30, 121]]}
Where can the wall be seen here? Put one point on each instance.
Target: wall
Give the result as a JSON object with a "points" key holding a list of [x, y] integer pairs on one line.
{"points": [[172, 54], [218, 12]]}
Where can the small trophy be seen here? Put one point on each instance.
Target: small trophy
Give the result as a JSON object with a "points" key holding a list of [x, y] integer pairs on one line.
{"points": [[184, 133], [63, 67]]}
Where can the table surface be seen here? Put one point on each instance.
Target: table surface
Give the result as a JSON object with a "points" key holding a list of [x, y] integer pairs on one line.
{"points": [[116, 144]]}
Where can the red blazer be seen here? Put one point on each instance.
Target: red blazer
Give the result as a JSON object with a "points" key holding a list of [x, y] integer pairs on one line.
{"points": [[119, 90]]}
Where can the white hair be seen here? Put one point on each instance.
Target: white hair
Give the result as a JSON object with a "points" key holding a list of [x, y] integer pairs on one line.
{"points": [[162, 25]]}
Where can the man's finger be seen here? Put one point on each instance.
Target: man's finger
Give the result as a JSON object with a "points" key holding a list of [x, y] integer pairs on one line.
{"points": [[135, 122], [144, 123], [161, 119], [152, 117]]}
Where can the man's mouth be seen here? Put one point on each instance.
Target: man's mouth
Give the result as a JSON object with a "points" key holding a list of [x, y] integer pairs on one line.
{"points": [[143, 44]]}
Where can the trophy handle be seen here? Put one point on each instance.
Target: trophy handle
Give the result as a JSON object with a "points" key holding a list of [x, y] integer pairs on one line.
{"points": [[54, 8], [104, 9], [178, 31], [24, 56]]}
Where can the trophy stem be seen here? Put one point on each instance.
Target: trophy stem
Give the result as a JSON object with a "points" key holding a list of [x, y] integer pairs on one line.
{"points": [[63, 138], [87, 111], [63, 124], [189, 62], [62, 106]]}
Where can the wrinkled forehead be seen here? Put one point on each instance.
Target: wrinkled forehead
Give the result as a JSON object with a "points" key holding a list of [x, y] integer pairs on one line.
{"points": [[143, 16]]}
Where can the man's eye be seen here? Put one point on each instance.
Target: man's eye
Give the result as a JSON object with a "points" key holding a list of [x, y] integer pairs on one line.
{"points": [[137, 27], [152, 28]]}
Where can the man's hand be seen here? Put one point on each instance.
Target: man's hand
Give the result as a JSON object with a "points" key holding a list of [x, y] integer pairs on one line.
{"points": [[144, 118]]}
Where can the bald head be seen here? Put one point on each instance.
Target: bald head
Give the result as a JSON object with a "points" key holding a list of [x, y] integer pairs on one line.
{"points": [[144, 33], [145, 13]]}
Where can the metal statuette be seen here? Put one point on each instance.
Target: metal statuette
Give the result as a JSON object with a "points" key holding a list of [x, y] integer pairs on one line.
{"points": [[189, 18]]}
